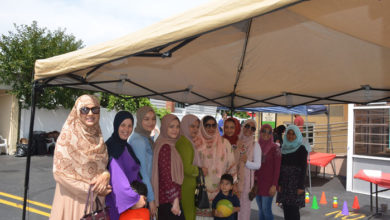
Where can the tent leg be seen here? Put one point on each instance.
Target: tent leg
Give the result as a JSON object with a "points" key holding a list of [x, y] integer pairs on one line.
{"points": [[30, 137], [309, 175]]}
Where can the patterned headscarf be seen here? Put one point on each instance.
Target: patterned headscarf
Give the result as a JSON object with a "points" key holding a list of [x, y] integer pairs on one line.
{"points": [[80, 152]]}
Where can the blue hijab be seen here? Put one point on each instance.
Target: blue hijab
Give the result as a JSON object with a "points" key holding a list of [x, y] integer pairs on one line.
{"points": [[292, 146]]}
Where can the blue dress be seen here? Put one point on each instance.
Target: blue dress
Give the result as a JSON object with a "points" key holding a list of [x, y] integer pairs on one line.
{"points": [[143, 151]]}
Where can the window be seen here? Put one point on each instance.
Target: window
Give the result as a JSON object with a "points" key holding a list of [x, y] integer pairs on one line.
{"points": [[306, 133], [179, 105], [371, 132]]}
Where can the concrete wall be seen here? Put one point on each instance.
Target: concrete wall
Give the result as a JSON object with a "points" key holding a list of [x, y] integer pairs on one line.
{"points": [[53, 120]]}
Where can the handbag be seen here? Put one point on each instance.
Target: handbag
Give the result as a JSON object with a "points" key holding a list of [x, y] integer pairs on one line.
{"points": [[201, 198], [100, 212], [252, 194]]}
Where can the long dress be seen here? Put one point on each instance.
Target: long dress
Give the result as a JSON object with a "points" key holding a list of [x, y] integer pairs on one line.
{"points": [[186, 151], [292, 177], [143, 151], [219, 160], [124, 171], [253, 163], [69, 198], [80, 156]]}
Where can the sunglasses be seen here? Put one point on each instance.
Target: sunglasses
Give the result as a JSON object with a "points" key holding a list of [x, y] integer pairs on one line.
{"points": [[266, 132], [250, 127], [213, 125], [86, 110]]}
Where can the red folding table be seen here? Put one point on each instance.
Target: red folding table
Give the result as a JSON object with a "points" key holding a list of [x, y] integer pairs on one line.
{"points": [[376, 177], [321, 159]]}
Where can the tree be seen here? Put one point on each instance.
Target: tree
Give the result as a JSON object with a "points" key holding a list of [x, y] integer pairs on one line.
{"points": [[128, 103], [18, 52]]}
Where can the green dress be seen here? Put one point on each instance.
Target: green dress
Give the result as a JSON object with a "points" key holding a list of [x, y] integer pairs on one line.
{"points": [[186, 151]]}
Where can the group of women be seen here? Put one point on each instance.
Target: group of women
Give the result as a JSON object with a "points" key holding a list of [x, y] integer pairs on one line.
{"points": [[169, 166]]}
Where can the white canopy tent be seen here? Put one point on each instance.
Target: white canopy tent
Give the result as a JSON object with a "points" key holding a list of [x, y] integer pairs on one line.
{"points": [[238, 53], [243, 54]]}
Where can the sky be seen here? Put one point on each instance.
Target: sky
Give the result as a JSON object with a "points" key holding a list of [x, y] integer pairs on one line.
{"points": [[92, 21]]}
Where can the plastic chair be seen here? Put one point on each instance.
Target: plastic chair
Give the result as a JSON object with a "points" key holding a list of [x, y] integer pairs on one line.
{"points": [[3, 144]]}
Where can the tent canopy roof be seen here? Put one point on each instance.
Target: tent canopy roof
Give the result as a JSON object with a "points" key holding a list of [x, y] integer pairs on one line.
{"points": [[238, 53]]}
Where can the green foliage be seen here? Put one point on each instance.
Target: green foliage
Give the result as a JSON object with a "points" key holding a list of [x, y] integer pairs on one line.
{"points": [[112, 102], [161, 112], [18, 52], [242, 115]]}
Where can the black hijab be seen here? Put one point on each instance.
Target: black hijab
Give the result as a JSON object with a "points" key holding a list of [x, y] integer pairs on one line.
{"points": [[115, 145]]}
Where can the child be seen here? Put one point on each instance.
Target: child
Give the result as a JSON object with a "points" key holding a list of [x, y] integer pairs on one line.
{"points": [[138, 213], [226, 186]]}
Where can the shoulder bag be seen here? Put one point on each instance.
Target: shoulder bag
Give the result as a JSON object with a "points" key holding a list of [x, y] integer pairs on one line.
{"points": [[201, 198], [100, 212]]}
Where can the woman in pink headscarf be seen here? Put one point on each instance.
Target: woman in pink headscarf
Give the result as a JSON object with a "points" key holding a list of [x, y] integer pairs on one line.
{"points": [[268, 175], [249, 159], [167, 172], [217, 155], [186, 146]]}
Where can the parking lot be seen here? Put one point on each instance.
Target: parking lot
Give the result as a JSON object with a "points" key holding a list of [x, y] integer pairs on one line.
{"points": [[41, 190]]}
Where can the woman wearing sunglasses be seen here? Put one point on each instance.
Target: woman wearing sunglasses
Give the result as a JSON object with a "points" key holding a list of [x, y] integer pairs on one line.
{"points": [[217, 155], [291, 192], [268, 175], [80, 160], [249, 160]]}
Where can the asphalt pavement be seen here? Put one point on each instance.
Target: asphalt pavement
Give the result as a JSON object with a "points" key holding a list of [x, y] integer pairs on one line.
{"points": [[42, 184]]}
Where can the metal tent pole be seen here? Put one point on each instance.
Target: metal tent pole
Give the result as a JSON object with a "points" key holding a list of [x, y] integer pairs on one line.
{"points": [[30, 137]]}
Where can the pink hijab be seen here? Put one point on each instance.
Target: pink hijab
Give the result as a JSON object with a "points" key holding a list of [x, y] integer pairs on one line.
{"points": [[210, 141], [249, 144], [177, 172], [266, 145], [196, 142]]}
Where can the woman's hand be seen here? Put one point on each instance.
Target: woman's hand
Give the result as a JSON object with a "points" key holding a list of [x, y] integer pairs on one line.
{"points": [[272, 190], [153, 208], [107, 191], [205, 171], [100, 183], [300, 191], [176, 207], [243, 158], [280, 189], [141, 203]]}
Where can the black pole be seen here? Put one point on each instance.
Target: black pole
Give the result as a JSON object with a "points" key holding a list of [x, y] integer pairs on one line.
{"points": [[30, 137]]}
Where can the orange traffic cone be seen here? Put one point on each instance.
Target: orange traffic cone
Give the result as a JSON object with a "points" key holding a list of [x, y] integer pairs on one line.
{"points": [[323, 199], [356, 205]]}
